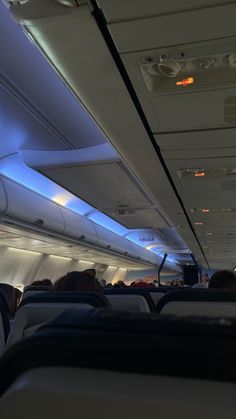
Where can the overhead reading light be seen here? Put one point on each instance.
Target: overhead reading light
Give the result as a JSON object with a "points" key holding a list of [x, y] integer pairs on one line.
{"points": [[169, 68], [185, 82]]}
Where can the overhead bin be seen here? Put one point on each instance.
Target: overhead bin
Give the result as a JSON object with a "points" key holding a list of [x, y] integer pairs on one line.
{"points": [[78, 227], [20, 203], [112, 241], [27, 205], [3, 200]]}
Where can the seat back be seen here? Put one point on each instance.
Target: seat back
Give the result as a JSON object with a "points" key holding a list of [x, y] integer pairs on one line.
{"points": [[4, 323], [133, 300], [31, 290], [9, 294], [156, 294], [79, 365], [199, 302], [40, 308]]}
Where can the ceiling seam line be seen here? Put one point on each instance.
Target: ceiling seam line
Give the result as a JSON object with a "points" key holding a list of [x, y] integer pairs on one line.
{"points": [[101, 22]]}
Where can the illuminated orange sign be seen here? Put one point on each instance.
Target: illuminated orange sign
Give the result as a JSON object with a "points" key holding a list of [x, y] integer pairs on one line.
{"points": [[199, 174], [185, 82]]}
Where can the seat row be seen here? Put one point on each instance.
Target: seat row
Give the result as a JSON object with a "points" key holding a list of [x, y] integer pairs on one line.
{"points": [[97, 363], [39, 308]]}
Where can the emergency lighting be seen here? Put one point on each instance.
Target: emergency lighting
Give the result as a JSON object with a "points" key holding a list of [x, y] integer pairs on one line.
{"points": [[185, 82], [199, 174]]}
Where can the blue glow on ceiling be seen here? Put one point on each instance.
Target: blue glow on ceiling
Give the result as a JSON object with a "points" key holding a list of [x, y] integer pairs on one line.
{"points": [[171, 259], [107, 222], [13, 168]]}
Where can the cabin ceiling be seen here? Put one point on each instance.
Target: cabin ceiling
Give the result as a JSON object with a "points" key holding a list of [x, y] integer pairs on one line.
{"points": [[194, 125]]}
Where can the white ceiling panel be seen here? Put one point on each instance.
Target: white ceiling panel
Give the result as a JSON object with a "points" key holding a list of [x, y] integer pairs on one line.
{"points": [[200, 144], [136, 9], [31, 74], [214, 190], [102, 185], [109, 188], [144, 218], [174, 29], [191, 110]]}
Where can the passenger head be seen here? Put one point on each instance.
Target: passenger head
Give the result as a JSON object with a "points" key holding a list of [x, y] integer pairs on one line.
{"points": [[47, 282], [42, 282], [109, 285], [223, 280], [121, 284], [91, 272], [9, 294], [140, 284], [77, 281]]}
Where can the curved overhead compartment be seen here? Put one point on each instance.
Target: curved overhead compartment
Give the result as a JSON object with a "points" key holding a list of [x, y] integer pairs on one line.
{"points": [[20, 203], [27, 205], [112, 241], [78, 227], [3, 199]]}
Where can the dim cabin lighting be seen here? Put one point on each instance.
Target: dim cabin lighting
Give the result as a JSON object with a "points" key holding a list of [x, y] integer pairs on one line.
{"points": [[199, 174], [185, 82], [205, 210], [198, 224]]}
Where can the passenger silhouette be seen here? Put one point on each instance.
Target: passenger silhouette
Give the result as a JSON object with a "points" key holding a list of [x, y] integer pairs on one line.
{"points": [[77, 281], [223, 280]]}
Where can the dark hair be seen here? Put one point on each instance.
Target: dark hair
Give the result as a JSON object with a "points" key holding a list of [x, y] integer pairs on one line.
{"points": [[140, 284], [42, 282], [91, 272], [223, 280], [9, 294], [77, 281]]}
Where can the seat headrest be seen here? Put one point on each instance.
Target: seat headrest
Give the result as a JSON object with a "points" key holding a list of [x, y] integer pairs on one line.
{"points": [[144, 292], [37, 288], [201, 295], [92, 298], [142, 343], [4, 315], [158, 290]]}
